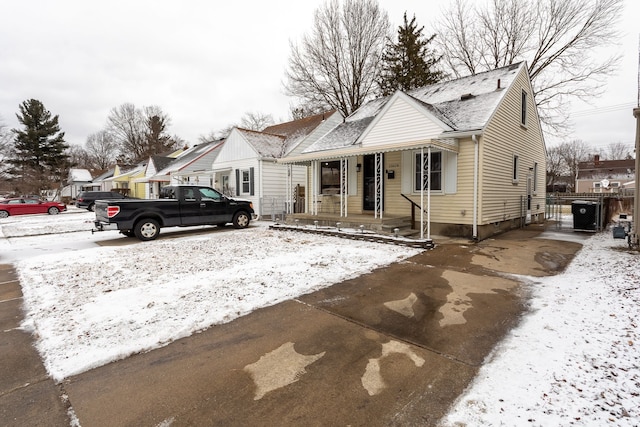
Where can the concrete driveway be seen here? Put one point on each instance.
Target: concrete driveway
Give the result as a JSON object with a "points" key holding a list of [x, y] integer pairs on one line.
{"points": [[392, 347]]}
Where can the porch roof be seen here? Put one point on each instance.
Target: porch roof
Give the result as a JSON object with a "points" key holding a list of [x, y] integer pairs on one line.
{"points": [[447, 144]]}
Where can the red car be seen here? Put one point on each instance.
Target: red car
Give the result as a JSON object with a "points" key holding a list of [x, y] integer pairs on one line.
{"points": [[22, 206]]}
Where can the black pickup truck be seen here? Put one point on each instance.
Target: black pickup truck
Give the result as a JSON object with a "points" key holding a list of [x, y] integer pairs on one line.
{"points": [[178, 206]]}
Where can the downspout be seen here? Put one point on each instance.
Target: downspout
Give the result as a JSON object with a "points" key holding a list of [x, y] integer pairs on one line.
{"points": [[476, 162]]}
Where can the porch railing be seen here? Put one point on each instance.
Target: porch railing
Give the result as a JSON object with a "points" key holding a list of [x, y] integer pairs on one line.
{"points": [[414, 206]]}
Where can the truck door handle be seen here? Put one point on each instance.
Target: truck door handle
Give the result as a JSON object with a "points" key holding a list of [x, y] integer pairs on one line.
{"points": [[203, 205]]}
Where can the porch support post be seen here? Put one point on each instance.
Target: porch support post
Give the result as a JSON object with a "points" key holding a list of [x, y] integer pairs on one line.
{"points": [[429, 195], [314, 188], [422, 193], [289, 200], [343, 187], [379, 185]]}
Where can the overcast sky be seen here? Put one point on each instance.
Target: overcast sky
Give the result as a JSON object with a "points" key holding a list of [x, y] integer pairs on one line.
{"points": [[206, 63]]}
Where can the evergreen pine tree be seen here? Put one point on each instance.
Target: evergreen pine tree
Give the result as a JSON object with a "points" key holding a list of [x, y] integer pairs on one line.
{"points": [[38, 161], [408, 63]]}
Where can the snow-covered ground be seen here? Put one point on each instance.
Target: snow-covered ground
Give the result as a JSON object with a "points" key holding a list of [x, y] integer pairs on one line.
{"points": [[574, 360], [89, 305]]}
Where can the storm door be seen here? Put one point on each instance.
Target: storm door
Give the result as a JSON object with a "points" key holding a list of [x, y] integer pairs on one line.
{"points": [[369, 183]]}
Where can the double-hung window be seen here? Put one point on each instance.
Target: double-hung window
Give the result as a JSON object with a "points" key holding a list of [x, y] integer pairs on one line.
{"points": [[246, 181], [434, 177], [523, 109]]}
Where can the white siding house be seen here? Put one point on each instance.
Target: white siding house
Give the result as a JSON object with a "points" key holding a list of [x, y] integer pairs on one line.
{"points": [[247, 167]]}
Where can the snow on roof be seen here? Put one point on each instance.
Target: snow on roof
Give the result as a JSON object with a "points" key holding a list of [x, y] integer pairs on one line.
{"points": [[464, 104], [267, 145], [189, 156], [303, 126], [80, 175]]}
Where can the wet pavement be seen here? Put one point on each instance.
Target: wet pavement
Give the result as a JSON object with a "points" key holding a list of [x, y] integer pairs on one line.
{"points": [[392, 347]]}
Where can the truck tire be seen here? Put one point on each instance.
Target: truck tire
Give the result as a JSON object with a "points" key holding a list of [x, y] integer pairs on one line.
{"points": [[147, 229], [241, 219], [91, 207]]}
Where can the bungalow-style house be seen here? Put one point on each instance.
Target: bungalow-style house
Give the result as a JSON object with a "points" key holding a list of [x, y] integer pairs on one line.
{"points": [[246, 164], [122, 178], [459, 158], [130, 180], [604, 176], [192, 166], [79, 180]]}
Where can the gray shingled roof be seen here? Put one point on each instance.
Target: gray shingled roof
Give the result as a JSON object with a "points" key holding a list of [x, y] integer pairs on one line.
{"points": [[463, 104], [187, 157]]}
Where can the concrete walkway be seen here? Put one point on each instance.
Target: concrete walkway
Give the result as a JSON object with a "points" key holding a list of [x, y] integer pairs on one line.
{"points": [[392, 347]]}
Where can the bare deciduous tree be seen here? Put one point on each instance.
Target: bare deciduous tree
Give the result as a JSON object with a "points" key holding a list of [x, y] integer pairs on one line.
{"points": [[557, 38], [618, 151], [256, 120], [211, 136], [102, 149], [126, 124], [5, 146], [574, 152], [78, 157], [338, 63], [140, 133], [556, 167]]}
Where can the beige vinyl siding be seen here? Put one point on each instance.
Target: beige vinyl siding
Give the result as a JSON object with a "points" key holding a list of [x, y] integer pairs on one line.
{"points": [[445, 208], [504, 137], [392, 126]]}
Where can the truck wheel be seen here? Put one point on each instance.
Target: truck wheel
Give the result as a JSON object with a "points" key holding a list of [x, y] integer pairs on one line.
{"points": [[241, 220], [147, 229], [92, 207]]}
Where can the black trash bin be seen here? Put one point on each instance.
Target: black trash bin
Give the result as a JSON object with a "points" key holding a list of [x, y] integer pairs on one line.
{"points": [[585, 215]]}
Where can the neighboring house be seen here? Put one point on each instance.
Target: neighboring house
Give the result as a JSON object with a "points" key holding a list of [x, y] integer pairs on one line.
{"points": [[132, 180], [246, 164], [100, 180], [193, 166], [605, 176], [122, 177], [146, 187], [463, 158], [78, 180]]}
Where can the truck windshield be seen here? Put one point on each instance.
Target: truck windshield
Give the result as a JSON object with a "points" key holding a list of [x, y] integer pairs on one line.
{"points": [[209, 193]]}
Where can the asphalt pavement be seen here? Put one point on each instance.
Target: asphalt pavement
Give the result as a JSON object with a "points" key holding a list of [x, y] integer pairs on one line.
{"points": [[394, 347]]}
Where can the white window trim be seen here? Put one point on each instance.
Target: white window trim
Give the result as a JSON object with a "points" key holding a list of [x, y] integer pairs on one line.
{"points": [[524, 99], [242, 181], [413, 172]]}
